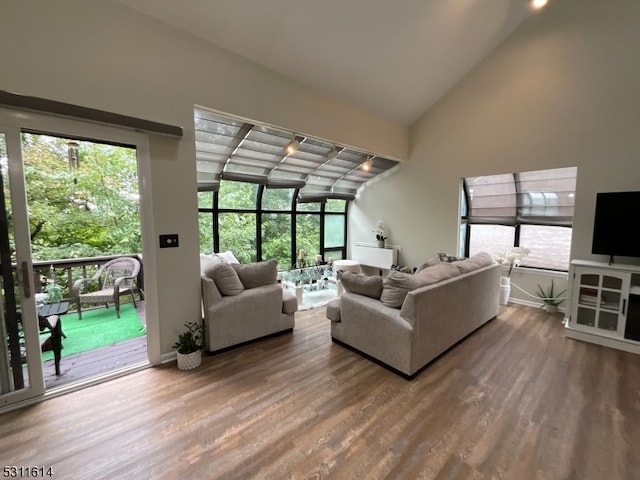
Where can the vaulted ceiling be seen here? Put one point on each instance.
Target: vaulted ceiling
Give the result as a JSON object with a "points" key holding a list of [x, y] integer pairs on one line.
{"points": [[392, 58]]}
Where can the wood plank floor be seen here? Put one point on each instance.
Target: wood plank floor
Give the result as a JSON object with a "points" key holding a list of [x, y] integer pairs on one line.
{"points": [[516, 400]]}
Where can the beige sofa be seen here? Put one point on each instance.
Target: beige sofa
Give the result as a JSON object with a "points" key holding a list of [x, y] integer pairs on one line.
{"points": [[405, 321], [243, 302]]}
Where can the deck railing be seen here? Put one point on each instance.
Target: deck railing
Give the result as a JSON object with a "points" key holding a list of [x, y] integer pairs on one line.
{"points": [[66, 271]]}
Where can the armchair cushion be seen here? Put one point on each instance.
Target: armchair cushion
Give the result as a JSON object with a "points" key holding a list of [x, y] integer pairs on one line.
{"points": [[253, 275], [226, 279]]}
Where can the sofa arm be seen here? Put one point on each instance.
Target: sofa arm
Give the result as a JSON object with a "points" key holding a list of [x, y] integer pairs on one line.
{"points": [[210, 292]]}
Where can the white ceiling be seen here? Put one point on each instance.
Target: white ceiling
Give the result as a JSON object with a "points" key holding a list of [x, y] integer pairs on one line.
{"points": [[393, 58]]}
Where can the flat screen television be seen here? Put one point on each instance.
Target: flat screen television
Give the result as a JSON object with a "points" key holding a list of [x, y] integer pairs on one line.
{"points": [[616, 229]]}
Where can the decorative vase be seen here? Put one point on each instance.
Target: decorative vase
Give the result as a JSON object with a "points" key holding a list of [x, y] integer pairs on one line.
{"points": [[505, 290], [380, 243], [189, 361]]}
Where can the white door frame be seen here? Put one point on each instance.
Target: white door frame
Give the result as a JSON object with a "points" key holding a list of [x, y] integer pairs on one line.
{"points": [[16, 120]]}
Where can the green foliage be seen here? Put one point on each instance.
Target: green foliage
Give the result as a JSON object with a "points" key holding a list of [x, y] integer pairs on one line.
{"points": [[192, 340], [92, 211], [549, 296]]}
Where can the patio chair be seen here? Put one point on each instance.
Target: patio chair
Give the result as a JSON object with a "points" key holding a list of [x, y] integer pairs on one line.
{"points": [[115, 278]]}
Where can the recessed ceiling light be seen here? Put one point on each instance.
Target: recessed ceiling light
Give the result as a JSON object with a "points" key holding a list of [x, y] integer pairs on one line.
{"points": [[538, 4]]}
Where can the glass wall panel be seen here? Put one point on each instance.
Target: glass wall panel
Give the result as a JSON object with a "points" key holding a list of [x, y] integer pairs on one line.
{"points": [[276, 238], [205, 199], [331, 255], [335, 206], [237, 195], [277, 198], [308, 235], [550, 246], [334, 230], [238, 234], [490, 238], [205, 223], [309, 207]]}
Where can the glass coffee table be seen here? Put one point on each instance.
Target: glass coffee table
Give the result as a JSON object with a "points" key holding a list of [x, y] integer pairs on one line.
{"points": [[305, 281]]}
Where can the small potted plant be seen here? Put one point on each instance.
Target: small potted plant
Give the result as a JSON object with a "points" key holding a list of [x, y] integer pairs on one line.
{"points": [[380, 231], [550, 298], [54, 293], [189, 346]]}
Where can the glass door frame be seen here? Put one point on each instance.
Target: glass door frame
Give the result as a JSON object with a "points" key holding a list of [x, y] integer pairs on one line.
{"points": [[24, 269], [17, 121]]}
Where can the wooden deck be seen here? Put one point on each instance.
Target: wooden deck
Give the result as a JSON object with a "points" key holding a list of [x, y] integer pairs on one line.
{"points": [[85, 365]]}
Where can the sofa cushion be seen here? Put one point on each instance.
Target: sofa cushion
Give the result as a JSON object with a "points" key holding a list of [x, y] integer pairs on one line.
{"points": [[257, 274], [226, 279], [479, 260], [397, 284], [362, 284]]}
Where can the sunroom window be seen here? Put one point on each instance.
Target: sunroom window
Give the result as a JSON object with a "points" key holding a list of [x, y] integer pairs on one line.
{"points": [[262, 201], [527, 209]]}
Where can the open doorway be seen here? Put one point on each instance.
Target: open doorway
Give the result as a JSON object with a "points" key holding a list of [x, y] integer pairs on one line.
{"points": [[84, 212]]}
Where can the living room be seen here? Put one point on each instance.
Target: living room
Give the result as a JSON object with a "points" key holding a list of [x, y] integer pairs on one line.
{"points": [[560, 91]]}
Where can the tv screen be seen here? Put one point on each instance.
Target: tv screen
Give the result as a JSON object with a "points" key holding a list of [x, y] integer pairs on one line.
{"points": [[616, 229]]}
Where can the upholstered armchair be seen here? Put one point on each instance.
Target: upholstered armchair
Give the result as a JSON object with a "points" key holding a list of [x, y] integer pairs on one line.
{"points": [[113, 279]]}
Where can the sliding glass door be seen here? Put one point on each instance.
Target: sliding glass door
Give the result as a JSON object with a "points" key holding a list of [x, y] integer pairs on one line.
{"points": [[20, 365]]}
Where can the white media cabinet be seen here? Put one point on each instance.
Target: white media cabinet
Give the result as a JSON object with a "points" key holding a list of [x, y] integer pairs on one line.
{"points": [[605, 304]]}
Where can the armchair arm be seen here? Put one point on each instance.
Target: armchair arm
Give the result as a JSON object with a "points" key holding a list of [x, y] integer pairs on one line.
{"points": [[75, 289]]}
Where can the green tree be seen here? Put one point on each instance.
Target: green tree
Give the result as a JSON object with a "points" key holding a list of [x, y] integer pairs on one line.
{"points": [[89, 211]]}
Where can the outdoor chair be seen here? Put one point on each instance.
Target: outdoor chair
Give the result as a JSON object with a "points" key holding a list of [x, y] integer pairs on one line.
{"points": [[115, 278]]}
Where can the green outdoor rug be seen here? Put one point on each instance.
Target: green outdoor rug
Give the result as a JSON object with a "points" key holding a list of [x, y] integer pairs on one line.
{"points": [[98, 328]]}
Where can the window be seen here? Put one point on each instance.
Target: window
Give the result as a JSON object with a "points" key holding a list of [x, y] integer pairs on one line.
{"points": [[257, 222], [527, 209]]}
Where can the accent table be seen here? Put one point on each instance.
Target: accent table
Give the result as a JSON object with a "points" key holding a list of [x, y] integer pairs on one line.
{"points": [[49, 320]]}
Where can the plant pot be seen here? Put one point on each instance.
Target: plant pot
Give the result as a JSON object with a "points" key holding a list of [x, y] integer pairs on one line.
{"points": [[380, 243], [550, 308], [505, 290], [189, 361]]}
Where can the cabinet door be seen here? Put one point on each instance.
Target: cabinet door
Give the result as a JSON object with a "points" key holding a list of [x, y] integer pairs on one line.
{"points": [[599, 300]]}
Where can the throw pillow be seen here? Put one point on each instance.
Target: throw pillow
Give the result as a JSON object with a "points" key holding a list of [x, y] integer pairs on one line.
{"points": [[397, 285], [435, 260], [257, 274], [227, 257], [226, 279], [362, 284], [206, 262], [479, 260]]}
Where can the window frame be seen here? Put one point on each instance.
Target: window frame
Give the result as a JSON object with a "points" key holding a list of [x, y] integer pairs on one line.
{"points": [[293, 211], [518, 220]]}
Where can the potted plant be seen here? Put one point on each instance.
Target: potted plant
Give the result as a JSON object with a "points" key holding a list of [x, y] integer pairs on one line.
{"points": [[189, 346], [550, 298], [380, 231], [54, 293], [510, 259]]}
